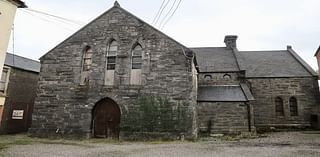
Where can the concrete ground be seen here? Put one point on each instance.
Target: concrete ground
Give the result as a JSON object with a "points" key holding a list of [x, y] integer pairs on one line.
{"points": [[280, 144]]}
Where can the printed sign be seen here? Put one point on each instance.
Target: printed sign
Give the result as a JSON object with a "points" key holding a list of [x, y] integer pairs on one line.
{"points": [[17, 114]]}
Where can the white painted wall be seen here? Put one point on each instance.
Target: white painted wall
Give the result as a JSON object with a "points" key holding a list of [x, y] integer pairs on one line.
{"points": [[7, 13]]}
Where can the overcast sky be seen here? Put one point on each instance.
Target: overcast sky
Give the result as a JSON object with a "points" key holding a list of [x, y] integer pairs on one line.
{"points": [[259, 24]]}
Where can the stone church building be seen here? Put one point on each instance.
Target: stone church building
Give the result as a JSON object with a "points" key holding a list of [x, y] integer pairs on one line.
{"points": [[120, 77]]}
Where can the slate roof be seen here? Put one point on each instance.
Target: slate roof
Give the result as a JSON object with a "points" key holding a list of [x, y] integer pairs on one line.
{"points": [[215, 59], [222, 94], [272, 64], [278, 63], [22, 63]]}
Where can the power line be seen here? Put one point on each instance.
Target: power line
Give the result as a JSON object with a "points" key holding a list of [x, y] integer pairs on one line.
{"points": [[51, 18], [158, 11], [161, 12], [46, 20], [171, 14], [55, 16], [168, 13], [13, 44]]}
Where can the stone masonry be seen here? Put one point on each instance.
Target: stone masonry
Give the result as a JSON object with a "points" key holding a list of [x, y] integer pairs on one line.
{"points": [[63, 107], [265, 90], [183, 92]]}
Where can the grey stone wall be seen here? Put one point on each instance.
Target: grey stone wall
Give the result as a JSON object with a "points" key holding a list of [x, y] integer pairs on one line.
{"points": [[64, 107], [265, 90], [21, 93], [222, 117], [219, 78]]}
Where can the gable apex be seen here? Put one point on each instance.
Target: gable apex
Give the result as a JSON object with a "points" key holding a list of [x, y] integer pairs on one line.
{"points": [[116, 4], [116, 7]]}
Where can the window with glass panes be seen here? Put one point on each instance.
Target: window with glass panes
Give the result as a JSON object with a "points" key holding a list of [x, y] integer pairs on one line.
{"points": [[112, 55], [3, 80], [87, 59], [137, 57]]}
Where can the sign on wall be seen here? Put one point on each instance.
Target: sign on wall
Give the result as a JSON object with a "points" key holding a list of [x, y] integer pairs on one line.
{"points": [[17, 114]]}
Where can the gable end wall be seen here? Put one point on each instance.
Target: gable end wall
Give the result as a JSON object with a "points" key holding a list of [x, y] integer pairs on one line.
{"points": [[63, 107]]}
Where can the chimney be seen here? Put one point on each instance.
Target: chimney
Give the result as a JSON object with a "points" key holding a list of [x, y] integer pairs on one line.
{"points": [[230, 41]]}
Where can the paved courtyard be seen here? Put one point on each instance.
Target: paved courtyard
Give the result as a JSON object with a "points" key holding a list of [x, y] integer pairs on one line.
{"points": [[282, 144]]}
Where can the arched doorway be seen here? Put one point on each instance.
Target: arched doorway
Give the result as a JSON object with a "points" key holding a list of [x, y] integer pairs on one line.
{"points": [[106, 119]]}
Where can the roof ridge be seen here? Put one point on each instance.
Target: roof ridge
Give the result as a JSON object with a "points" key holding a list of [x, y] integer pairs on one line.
{"points": [[264, 51], [204, 47]]}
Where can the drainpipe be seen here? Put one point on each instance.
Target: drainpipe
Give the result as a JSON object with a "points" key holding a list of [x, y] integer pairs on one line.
{"points": [[249, 116]]}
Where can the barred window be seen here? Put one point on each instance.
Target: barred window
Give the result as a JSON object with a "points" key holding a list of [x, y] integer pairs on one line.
{"points": [[86, 65], [137, 57], [87, 58], [279, 106], [136, 65], [111, 59], [293, 106], [112, 55]]}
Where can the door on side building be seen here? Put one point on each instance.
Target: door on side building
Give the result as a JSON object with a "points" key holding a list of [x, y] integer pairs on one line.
{"points": [[106, 119]]}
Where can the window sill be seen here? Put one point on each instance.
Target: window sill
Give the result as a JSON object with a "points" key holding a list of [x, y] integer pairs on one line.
{"points": [[3, 94]]}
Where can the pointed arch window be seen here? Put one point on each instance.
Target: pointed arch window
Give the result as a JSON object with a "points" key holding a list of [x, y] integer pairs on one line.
{"points": [[111, 58], [136, 65], [279, 106], [293, 106], [86, 65], [87, 58]]}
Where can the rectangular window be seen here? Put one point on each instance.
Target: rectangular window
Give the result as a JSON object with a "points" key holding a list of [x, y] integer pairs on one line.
{"points": [[111, 62]]}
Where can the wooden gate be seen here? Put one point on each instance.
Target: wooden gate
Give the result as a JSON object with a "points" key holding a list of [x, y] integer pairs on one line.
{"points": [[106, 119]]}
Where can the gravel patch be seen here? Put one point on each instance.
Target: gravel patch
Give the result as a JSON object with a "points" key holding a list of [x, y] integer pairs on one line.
{"points": [[282, 144]]}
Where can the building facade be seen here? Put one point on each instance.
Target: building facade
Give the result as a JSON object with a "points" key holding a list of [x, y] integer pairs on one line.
{"points": [[120, 77], [18, 90], [7, 13]]}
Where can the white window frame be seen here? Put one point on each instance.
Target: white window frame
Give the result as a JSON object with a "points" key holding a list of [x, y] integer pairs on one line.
{"points": [[7, 70], [132, 82], [111, 72]]}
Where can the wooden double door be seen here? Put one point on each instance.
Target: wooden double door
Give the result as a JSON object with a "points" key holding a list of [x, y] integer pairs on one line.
{"points": [[106, 119]]}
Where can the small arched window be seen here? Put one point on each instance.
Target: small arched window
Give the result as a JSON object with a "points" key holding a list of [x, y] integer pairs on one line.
{"points": [[293, 106], [111, 58], [226, 76], [136, 65], [207, 77], [86, 65], [87, 58], [279, 106]]}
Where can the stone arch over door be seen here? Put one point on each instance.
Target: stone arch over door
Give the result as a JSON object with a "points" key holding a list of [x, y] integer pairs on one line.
{"points": [[106, 119]]}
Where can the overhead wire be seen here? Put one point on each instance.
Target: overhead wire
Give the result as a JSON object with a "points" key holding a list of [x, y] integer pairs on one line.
{"points": [[167, 13], [165, 5], [46, 20], [55, 16], [171, 14], [13, 41], [53, 19], [154, 19]]}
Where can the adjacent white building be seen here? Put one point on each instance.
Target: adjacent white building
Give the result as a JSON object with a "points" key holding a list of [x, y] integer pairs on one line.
{"points": [[7, 13]]}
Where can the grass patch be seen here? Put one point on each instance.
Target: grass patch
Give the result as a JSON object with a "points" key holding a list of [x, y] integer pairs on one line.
{"points": [[9, 140], [22, 139]]}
